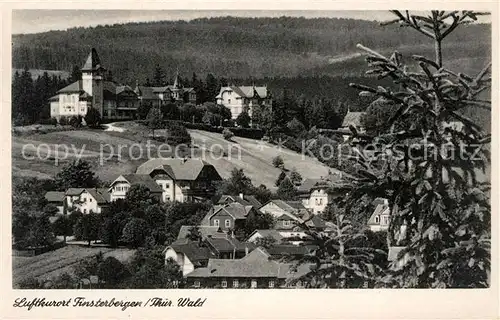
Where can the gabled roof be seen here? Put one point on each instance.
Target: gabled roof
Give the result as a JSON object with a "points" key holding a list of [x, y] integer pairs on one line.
{"points": [[287, 249], [293, 207], [380, 209], [146, 93], [54, 196], [180, 169], [193, 251], [74, 191], [275, 234], [257, 264], [139, 179], [101, 195], [246, 91], [93, 62], [394, 252], [246, 200], [234, 209], [229, 245], [314, 221], [75, 87], [206, 231], [353, 119]]}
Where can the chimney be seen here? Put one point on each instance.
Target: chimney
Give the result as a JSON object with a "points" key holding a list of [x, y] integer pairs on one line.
{"points": [[246, 250], [241, 196]]}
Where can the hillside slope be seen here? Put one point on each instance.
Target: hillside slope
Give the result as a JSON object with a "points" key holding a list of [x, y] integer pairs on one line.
{"points": [[253, 156], [232, 47]]}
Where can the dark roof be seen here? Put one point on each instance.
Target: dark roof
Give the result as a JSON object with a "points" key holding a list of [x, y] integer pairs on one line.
{"points": [[141, 179], [268, 233], [75, 87], [287, 249], [293, 207], [93, 62], [193, 251], [54, 196], [246, 200], [206, 231], [101, 195], [146, 93], [74, 191], [353, 119], [179, 169], [235, 209], [247, 91], [257, 264], [229, 245]]}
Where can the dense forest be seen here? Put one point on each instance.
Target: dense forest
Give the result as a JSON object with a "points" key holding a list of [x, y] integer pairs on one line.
{"points": [[233, 47]]}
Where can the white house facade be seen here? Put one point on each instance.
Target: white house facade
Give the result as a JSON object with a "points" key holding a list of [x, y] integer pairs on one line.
{"points": [[243, 98]]}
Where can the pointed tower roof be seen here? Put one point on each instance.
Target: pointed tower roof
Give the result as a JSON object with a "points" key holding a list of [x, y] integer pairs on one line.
{"points": [[177, 81], [93, 62]]}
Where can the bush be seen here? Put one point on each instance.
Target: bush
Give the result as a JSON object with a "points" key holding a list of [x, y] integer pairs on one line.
{"points": [[63, 121], [278, 162], [177, 134], [93, 117], [227, 134], [75, 121]]}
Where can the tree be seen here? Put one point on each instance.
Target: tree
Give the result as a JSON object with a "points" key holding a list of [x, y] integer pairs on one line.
{"points": [[143, 110], [93, 117], [87, 228], [254, 222], [135, 232], [265, 242], [227, 134], [295, 177], [76, 74], [434, 195], [112, 271], [194, 234], [62, 227], [281, 177], [278, 162], [41, 233], [159, 77], [286, 190], [77, 174], [154, 119], [295, 127], [339, 262], [237, 183], [170, 111], [243, 119]]}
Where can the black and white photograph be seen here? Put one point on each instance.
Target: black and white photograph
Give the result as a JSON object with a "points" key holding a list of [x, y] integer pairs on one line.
{"points": [[250, 149]]}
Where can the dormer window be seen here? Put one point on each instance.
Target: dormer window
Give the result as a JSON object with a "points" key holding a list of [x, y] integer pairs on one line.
{"points": [[377, 219]]}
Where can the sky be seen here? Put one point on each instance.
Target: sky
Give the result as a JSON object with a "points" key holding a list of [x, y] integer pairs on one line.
{"points": [[34, 21]]}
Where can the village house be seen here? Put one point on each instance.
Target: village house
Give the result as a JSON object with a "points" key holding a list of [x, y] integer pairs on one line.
{"points": [[243, 98], [182, 180], [204, 231], [188, 255], [229, 216], [158, 96], [352, 120], [87, 200], [56, 198], [120, 186], [380, 218], [256, 270], [281, 236], [317, 194], [112, 100], [278, 207], [245, 200]]}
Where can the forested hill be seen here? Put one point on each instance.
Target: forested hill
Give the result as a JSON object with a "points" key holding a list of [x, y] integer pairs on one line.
{"points": [[237, 47]]}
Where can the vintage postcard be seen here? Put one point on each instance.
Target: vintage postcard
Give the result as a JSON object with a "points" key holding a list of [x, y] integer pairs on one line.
{"points": [[254, 160]]}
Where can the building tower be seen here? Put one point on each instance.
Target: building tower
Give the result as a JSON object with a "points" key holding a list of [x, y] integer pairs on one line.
{"points": [[93, 80]]}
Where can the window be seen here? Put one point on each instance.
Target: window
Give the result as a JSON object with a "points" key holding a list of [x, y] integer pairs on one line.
{"points": [[253, 284], [223, 283], [84, 210], [271, 283], [287, 223], [229, 101], [236, 284], [90, 199], [320, 201], [197, 284], [377, 219], [227, 223], [167, 185], [216, 222]]}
